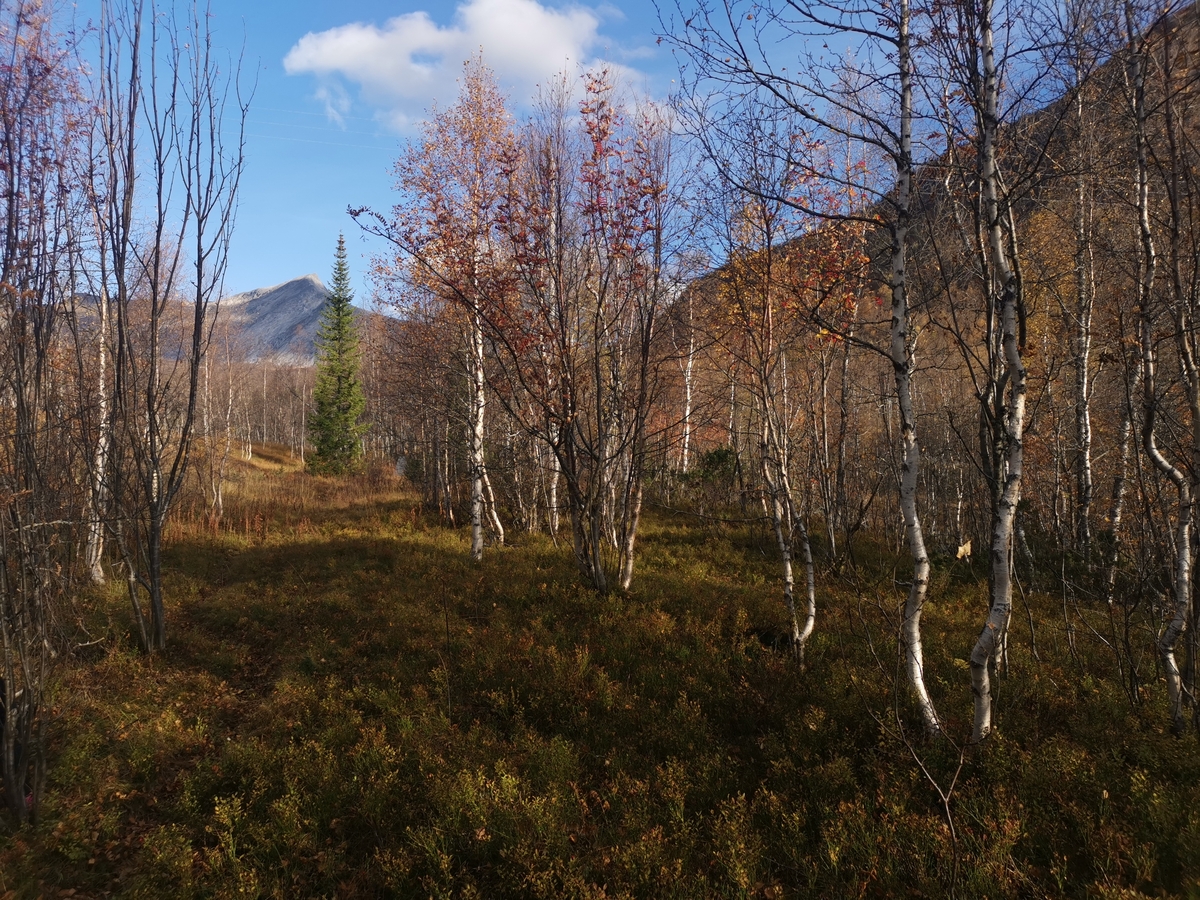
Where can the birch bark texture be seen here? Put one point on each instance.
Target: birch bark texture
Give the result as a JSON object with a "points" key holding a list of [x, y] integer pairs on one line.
{"points": [[866, 102], [974, 68], [1175, 313], [447, 257]]}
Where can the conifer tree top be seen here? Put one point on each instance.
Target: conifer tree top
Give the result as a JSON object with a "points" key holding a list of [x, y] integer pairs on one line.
{"points": [[341, 273]]}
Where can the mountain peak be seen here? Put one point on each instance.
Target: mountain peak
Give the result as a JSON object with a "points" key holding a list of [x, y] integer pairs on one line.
{"points": [[278, 322]]}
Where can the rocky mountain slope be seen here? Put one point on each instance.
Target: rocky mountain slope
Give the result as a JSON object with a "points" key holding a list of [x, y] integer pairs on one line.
{"points": [[277, 323]]}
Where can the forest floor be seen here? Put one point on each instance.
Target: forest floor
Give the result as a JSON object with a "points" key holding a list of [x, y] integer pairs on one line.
{"points": [[348, 707]]}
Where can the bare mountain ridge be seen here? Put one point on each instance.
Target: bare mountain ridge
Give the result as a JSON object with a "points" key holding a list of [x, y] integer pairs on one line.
{"points": [[277, 323]]}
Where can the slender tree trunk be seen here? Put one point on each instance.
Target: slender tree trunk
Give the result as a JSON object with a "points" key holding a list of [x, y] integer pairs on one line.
{"points": [[98, 498], [526, 511], [1181, 580], [778, 506], [445, 493], [493, 514], [787, 524], [1181, 576], [158, 618], [810, 587], [824, 464], [133, 583], [475, 425], [552, 487], [1084, 292], [903, 364], [840, 492], [227, 441], [990, 644], [1120, 483], [685, 458], [633, 514], [686, 367]]}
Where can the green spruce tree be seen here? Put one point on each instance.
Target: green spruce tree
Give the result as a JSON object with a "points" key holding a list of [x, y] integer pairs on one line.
{"points": [[338, 400]]}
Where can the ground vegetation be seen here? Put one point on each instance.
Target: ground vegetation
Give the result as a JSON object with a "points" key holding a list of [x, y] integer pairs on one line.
{"points": [[353, 707]]}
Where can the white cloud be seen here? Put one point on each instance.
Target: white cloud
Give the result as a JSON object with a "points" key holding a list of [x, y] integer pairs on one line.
{"points": [[412, 61]]}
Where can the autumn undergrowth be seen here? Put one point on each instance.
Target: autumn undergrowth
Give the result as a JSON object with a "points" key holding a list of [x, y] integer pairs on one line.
{"points": [[350, 708]]}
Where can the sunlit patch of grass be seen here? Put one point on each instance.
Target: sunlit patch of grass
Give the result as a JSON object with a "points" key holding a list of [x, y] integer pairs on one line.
{"points": [[350, 707]]}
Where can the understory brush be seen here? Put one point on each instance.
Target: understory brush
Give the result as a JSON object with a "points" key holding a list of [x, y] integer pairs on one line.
{"points": [[348, 707]]}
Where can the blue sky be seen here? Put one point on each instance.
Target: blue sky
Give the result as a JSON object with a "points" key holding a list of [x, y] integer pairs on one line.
{"points": [[342, 85]]}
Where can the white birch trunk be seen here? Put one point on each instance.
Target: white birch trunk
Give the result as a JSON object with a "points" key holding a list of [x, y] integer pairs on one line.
{"points": [[1085, 291], [1181, 580], [991, 639], [490, 502], [1183, 688], [810, 589], [1120, 487], [98, 494], [903, 364], [788, 525], [633, 515], [687, 395], [552, 487], [777, 505], [475, 424]]}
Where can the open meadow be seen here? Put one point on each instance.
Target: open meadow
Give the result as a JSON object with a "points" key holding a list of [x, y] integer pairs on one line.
{"points": [[350, 708]]}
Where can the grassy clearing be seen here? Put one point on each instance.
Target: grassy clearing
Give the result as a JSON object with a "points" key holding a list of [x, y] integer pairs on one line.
{"points": [[350, 708]]}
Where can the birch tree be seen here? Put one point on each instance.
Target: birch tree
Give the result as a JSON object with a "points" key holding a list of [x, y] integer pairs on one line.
{"points": [[444, 231], [867, 100], [1165, 166], [587, 220], [1007, 302], [164, 108], [975, 69], [40, 503], [1080, 55], [754, 292], [218, 399]]}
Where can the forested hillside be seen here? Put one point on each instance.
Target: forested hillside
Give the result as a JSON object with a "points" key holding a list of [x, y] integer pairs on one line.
{"points": [[788, 490]]}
